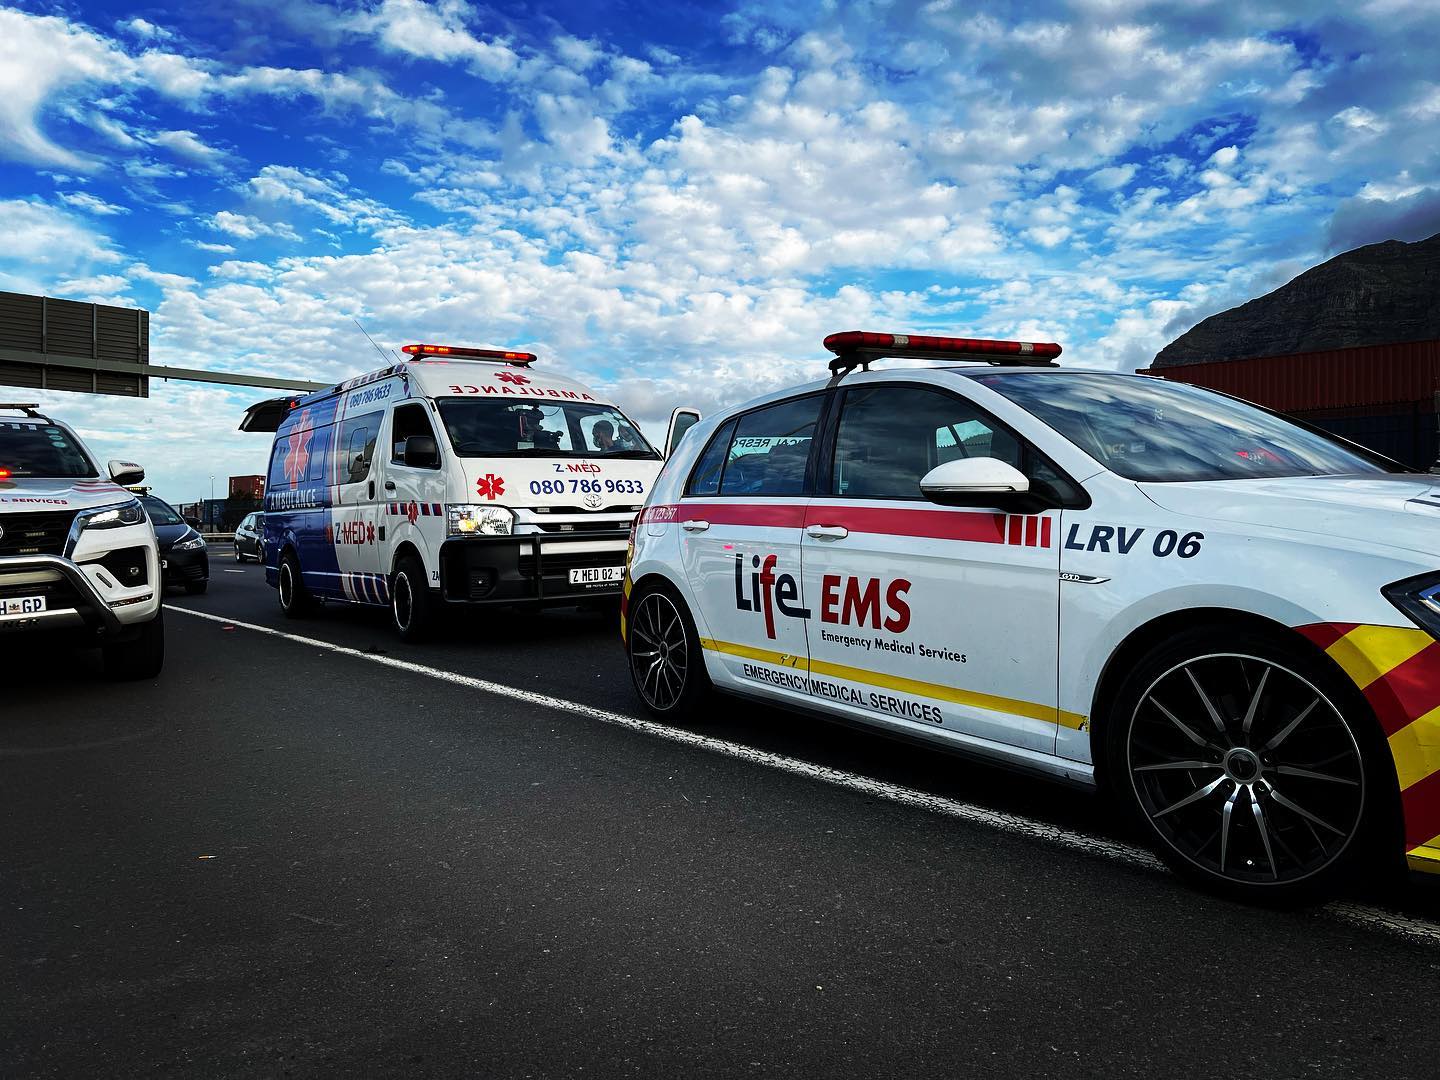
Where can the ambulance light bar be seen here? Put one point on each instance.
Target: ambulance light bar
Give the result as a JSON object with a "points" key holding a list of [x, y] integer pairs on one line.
{"points": [[520, 359], [857, 348]]}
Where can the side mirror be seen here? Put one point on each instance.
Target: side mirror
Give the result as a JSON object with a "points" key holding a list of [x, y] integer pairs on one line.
{"points": [[194, 523], [421, 452], [681, 421], [979, 481], [125, 473]]}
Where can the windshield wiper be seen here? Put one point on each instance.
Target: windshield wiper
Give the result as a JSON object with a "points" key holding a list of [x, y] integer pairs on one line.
{"points": [[629, 454]]}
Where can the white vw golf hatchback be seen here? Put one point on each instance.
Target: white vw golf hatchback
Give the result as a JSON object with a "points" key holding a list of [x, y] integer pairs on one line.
{"points": [[1225, 618]]}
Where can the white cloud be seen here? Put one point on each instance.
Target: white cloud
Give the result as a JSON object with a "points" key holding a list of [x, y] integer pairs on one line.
{"points": [[91, 204], [190, 147], [218, 249], [44, 245], [1112, 177], [436, 32], [245, 227]]}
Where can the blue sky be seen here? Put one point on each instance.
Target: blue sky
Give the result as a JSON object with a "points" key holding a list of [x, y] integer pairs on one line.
{"points": [[678, 201]]}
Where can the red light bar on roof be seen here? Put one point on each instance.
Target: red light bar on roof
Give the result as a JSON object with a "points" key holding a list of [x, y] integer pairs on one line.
{"points": [[456, 352], [857, 348]]}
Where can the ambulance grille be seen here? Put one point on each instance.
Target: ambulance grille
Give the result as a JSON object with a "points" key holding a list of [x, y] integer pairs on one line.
{"points": [[35, 534]]}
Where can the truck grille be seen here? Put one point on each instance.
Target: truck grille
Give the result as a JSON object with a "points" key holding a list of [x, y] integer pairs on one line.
{"points": [[35, 534]]}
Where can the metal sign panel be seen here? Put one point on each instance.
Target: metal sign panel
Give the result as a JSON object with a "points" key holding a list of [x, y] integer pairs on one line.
{"points": [[51, 344]]}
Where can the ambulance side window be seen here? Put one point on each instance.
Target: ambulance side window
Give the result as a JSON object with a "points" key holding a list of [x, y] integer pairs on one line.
{"points": [[319, 451], [771, 448], [357, 440], [891, 436], [408, 420], [705, 480]]}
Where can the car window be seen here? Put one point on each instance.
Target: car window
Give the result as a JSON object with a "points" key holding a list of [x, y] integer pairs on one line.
{"points": [[770, 447], [159, 511], [1149, 429], [891, 436], [705, 479], [357, 439], [41, 450], [409, 420]]}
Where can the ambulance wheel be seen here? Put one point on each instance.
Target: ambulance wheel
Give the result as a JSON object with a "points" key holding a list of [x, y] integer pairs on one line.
{"points": [[295, 600], [1253, 769], [412, 609], [666, 662]]}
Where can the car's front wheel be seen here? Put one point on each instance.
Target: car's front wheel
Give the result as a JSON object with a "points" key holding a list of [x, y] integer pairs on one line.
{"points": [[142, 656], [1253, 769], [666, 662], [412, 608]]}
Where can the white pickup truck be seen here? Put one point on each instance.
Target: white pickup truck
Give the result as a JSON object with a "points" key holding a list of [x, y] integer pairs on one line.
{"points": [[78, 557]]}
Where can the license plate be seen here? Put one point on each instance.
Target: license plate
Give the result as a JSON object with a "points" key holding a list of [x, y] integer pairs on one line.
{"points": [[597, 575], [22, 605]]}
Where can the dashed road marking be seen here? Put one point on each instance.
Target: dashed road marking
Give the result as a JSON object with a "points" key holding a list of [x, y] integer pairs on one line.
{"points": [[1362, 915]]}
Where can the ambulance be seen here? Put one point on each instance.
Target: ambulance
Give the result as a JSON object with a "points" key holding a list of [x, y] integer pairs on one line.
{"points": [[1226, 619], [460, 478]]}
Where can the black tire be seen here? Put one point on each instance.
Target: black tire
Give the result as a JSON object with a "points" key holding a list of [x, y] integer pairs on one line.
{"points": [[142, 656], [1251, 766], [667, 665], [413, 609], [239, 558], [195, 588], [296, 601]]}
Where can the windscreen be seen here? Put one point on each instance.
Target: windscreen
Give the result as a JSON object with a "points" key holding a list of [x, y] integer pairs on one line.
{"points": [[1148, 429], [42, 450], [514, 428], [160, 512]]}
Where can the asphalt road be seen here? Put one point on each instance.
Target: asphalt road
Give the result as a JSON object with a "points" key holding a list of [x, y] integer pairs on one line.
{"points": [[288, 858]]}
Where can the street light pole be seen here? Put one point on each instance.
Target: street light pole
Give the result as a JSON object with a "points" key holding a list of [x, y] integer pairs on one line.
{"points": [[210, 506]]}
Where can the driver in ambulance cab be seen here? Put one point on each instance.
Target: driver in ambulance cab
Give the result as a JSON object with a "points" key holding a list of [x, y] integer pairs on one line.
{"points": [[604, 436]]}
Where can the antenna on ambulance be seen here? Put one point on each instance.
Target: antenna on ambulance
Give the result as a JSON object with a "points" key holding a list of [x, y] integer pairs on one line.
{"points": [[372, 342]]}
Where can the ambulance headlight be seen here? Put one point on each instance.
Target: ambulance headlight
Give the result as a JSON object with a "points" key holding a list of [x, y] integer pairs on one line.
{"points": [[468, 519], [1419, 598]]}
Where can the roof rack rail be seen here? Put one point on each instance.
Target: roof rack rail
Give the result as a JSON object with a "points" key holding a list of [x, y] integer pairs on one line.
{"points": [[31, 410], [859, 348]]}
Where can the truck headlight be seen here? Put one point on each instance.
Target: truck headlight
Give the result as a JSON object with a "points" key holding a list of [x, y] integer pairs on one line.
{"points": [[195, 543], [468, 519], [112, 517], [1419, 598]]}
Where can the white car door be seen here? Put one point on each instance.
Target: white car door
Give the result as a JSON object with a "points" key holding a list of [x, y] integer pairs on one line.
{"points": [[413, 495], [739, 530], [938, 618], [355, 522]]}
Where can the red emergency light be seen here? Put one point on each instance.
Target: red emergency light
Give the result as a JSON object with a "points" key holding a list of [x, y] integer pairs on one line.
{"points": [[456, 352], [857, 348], [4, 474]]}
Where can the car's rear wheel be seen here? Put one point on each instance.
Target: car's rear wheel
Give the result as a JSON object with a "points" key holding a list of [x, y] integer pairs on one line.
{"points": [[412, 609], [296, 601], [666, 662], [1252, 768]]}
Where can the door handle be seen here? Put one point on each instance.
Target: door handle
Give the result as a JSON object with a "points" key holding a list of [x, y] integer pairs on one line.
{"points": [[827, 532], [694, 525], [389, 485], [370, 490]]}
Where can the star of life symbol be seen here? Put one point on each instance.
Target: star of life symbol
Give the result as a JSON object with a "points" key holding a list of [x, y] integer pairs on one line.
{"points": [[490, 486], [513, 377], [297, 450], [412, 512]]}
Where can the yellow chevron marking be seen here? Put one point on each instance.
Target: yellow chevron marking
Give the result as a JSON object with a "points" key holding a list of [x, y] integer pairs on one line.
{"points": [[1416, 748], [1426, 857], [938, 691], [1368, 652]]}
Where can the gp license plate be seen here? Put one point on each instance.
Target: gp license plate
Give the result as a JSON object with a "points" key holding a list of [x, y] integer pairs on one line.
{"points": [[22, 605], [597, 575]]}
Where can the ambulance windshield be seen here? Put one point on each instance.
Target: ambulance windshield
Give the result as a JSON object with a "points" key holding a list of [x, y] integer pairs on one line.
{"points": [[534, 429]]}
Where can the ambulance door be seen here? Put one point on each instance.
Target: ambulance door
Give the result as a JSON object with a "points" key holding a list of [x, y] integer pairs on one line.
{"points": [[355, 523], [935, 618], [739, 532], [414, 494]]}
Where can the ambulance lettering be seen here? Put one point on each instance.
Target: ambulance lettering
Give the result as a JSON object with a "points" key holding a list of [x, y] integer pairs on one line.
{"points": [[1122, 540], [847, 601]]}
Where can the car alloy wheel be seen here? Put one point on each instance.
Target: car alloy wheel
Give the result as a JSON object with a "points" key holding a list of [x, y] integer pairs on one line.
{"points": [[1245, 769], [403, 602], [659, 651], [287, 586]]}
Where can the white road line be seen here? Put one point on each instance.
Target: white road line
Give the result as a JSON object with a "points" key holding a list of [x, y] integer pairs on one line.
{"points": [[1370, 918]]}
